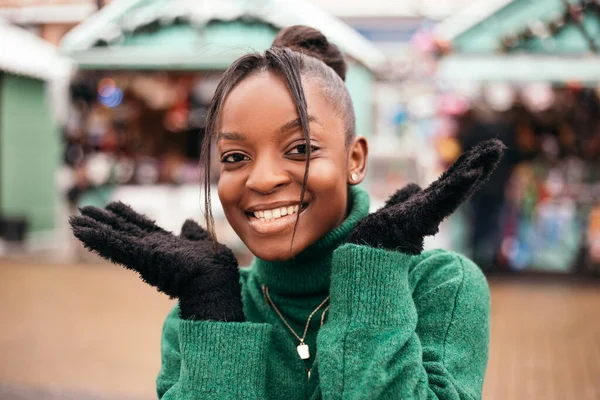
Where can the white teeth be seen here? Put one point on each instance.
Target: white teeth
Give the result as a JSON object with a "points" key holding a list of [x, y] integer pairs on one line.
{"points": [[276, 212]]}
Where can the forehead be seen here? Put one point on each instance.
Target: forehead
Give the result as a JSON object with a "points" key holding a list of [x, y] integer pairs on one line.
{"points": [[262, 103]]}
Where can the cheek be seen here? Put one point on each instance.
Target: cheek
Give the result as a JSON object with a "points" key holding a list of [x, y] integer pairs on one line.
{"points": [[229, 188], [329, 172], [328, 182], [327, 176]]}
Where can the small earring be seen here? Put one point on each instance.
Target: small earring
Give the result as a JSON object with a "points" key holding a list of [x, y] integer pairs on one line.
{"points": [[354, 177]]}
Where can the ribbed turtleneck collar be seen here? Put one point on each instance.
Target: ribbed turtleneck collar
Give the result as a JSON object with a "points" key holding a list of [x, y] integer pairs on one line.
{"points": [[309, 272]]}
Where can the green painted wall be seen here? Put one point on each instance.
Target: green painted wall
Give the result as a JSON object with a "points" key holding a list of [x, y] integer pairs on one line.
{"points": [[29, 152], [359, 81]]}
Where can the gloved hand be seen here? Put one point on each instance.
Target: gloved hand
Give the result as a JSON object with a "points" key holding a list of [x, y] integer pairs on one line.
{"points": [[411, 213], [204, 277]]}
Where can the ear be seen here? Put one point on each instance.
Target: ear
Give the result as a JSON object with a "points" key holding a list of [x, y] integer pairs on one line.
{"points": [[357, 160]]}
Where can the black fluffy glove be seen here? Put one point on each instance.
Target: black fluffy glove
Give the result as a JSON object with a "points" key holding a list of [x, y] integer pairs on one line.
{"points": [[411, 213], [206, 281]]}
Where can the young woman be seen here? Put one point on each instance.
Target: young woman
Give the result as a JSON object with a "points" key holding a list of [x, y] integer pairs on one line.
{"points": [[338, 304]]}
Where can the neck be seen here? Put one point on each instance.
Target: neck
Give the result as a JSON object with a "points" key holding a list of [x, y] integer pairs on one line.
{"points": [[309, 272]]}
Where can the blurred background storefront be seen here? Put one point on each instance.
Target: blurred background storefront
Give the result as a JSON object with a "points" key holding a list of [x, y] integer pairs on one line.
{"points": [[424, 90], [528, 73], [147, 72], [31, 103]]}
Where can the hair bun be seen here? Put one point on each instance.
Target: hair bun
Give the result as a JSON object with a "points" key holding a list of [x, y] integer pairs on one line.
{"points": [[313, 43]]}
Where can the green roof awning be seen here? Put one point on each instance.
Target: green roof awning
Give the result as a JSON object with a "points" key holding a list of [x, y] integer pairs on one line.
{"points": [[181, 34], [531, 26], [523, 41], [23, 53]]}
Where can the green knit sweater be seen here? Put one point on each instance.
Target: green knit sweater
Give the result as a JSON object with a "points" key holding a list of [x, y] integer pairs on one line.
{"points": [[398, 327]]}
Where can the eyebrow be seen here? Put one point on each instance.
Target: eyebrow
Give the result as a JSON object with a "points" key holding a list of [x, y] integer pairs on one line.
{"points": [[288, 126], [231, 136]]}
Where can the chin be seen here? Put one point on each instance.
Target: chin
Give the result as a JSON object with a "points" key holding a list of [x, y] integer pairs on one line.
{"points": [[275, 252]]}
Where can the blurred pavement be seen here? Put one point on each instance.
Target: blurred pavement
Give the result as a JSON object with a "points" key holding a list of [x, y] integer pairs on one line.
{"points": [[92, 332]]}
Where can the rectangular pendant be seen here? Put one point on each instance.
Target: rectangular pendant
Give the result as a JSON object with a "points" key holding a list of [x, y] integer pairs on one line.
{"points": [[303, 351]]}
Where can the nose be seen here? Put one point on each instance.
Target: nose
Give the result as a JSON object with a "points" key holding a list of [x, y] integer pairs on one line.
{"points": [[267, 175]]}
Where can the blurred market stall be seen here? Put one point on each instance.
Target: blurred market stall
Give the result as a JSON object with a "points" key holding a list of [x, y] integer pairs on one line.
{"points": [[147, 71], [528, 72], [31, 75]]}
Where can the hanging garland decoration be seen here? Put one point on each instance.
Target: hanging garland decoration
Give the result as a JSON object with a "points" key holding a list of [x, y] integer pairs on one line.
{"points": [[572, 14]]}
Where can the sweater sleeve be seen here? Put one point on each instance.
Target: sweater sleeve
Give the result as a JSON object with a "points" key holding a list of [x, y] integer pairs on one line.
{"points": [[212, 360], [388, 338]]}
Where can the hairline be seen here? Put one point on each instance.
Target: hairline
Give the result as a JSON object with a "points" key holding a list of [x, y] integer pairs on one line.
{"points": [[322, 85]]}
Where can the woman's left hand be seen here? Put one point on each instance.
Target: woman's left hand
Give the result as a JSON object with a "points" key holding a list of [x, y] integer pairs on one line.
{"points": [[411, 213]]}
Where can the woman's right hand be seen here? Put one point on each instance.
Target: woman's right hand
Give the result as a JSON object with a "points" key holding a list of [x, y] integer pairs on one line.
{"points": [[204, 277]]}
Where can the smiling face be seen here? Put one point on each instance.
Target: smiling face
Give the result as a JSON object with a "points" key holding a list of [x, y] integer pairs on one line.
{"points": [[262, 149]]}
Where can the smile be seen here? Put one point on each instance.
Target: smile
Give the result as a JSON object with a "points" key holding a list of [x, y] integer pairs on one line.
{"points": [[275, 220], [276, 212]]}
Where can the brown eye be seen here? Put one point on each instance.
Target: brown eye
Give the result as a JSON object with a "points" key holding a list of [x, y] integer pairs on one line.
{"points": [[301, 150], [233, 158]]}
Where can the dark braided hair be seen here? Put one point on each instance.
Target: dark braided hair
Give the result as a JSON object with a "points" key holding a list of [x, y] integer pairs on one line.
{"points": [[297, 52]]}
